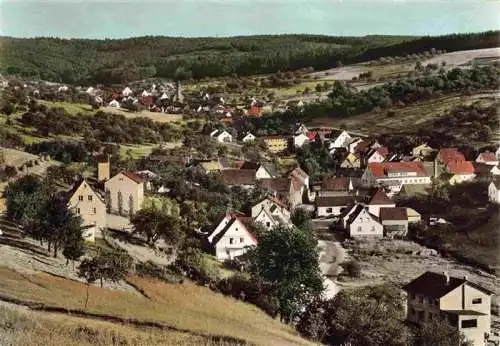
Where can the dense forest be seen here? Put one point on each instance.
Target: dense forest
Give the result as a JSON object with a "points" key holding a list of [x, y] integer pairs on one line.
{"points": [[120, 61]]}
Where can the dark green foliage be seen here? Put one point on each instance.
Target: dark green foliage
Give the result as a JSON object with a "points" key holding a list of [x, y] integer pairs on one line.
{"points": [[121, 61], [152, 269], [287, 258], [439, 333], [61, 150], [355, 317], [352, 269], [9, 139]]}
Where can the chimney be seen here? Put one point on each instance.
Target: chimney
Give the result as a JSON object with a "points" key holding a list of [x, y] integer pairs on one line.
{"points": [[103, 168], [447, 277], [465, 278]]}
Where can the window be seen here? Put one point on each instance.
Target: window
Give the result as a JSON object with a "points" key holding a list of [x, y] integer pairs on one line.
{"points": [[231, 240], [469, 323], [78, 210], [373, 228], [242, 240], [80, 198], [329, 210], [477, 301], [359, 228], [95, 211], [90, 197], [268, 224], [236, 229]]}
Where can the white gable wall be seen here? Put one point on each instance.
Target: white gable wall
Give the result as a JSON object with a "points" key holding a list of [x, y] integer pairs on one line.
{"points": [[365, 226], [235, 242]]}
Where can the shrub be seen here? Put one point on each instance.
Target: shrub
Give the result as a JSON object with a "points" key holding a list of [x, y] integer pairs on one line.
{"points": [[151, 269], [352, 269]]}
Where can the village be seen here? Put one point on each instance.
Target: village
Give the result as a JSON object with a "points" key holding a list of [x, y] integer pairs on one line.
{"points": [[229, 182]]}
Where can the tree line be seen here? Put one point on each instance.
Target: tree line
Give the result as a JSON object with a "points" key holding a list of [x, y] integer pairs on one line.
{"points": [[120, 61]]}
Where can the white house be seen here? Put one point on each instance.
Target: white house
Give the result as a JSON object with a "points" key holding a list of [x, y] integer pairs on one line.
{"points": [[342, 141], [114, 104], [375, 155], [248, 138], [145, 93], [266, 219], [231, 238], [127, 92], [222, 136], [353, 144], [395, 174], [333, 205], [300, 139], [363, 224], [274, 207], [90, 90], [494, 191], [124, 193], [164, 96], [90, 206], [488, 158], [62, 88], [379, 200], [301, 129]]}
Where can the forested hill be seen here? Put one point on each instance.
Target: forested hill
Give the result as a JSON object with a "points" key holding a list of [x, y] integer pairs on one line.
{"points": [[120, 61]]}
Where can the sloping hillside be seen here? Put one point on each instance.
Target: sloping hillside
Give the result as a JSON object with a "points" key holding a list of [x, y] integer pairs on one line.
{"points": [[183, 308]]}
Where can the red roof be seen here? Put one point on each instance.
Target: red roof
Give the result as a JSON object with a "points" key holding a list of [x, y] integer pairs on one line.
{"points": [[381, 169], [146, 100], [487, 156], [277, 201], [460, 167], [255, 111], [380, 198], [134, 177], [450, 154], [362, 147], [312, 135]]}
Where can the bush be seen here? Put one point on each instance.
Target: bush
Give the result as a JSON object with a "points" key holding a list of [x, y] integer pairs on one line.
{"points": [[151, 269], [352, 269]]}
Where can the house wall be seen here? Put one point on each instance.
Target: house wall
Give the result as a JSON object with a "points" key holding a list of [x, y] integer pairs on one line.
{"points": [[86, 203], [224, 137], [330, 193], [390, 223], [475, 334], [493, 194], [300, 140], [128, 188], [328, 211], [375, 157], [341, 140], [266, 220], [375, 209], [421, 309], [276, 145], [102, 171], [234, 243], [481, 160], [460, 178], [262, 173], [365, 226], [422, 151], [249, 138]]}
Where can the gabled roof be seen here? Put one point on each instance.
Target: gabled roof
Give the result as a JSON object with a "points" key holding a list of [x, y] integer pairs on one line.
{"points": [[393, 214], [450, 154], [358, 208], [312, 135], [255, 111], [277, 184], [238, 176], [381, 170], [134, 177], [460, 167], [487, 156], [335, 201], [434, 285], [77, 185], [336, 184], [380, 198], [232, 220]]}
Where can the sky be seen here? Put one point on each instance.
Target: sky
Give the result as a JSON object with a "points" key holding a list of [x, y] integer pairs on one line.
{"points": [[194, 18]]}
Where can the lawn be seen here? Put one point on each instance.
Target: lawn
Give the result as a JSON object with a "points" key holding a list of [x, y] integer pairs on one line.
{"points": [[71, 108], [185, 307], [135, 151]]}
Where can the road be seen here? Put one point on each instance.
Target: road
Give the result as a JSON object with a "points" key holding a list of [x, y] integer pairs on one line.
{"points": [[331, 255]]}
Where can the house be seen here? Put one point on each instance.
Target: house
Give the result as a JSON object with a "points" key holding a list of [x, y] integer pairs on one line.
{"points": [[276, 144], [274, 207], [210, 166], [254, 111], [299, 174], [288, 189], [336, 186], [394, 220], [488, 158], [127, 92], [114, 104], [262, 171], [62, 88], [145, 93], [494, 191], [459, 171], [244, 178], [362, 224], [413, 215], [90, 91], [413, 190], [395, 174], [485, 171], [300, 139], [231, 238], [379, 200], [103, 168], [266, 219], [376, 155], [90, 206], [301, 129], [124, 193], [248, 138], [354, 143], [333, 205], [422, 151], [464, 304], [341, 141], [222, 136], [351, 161], [446, 155]]}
